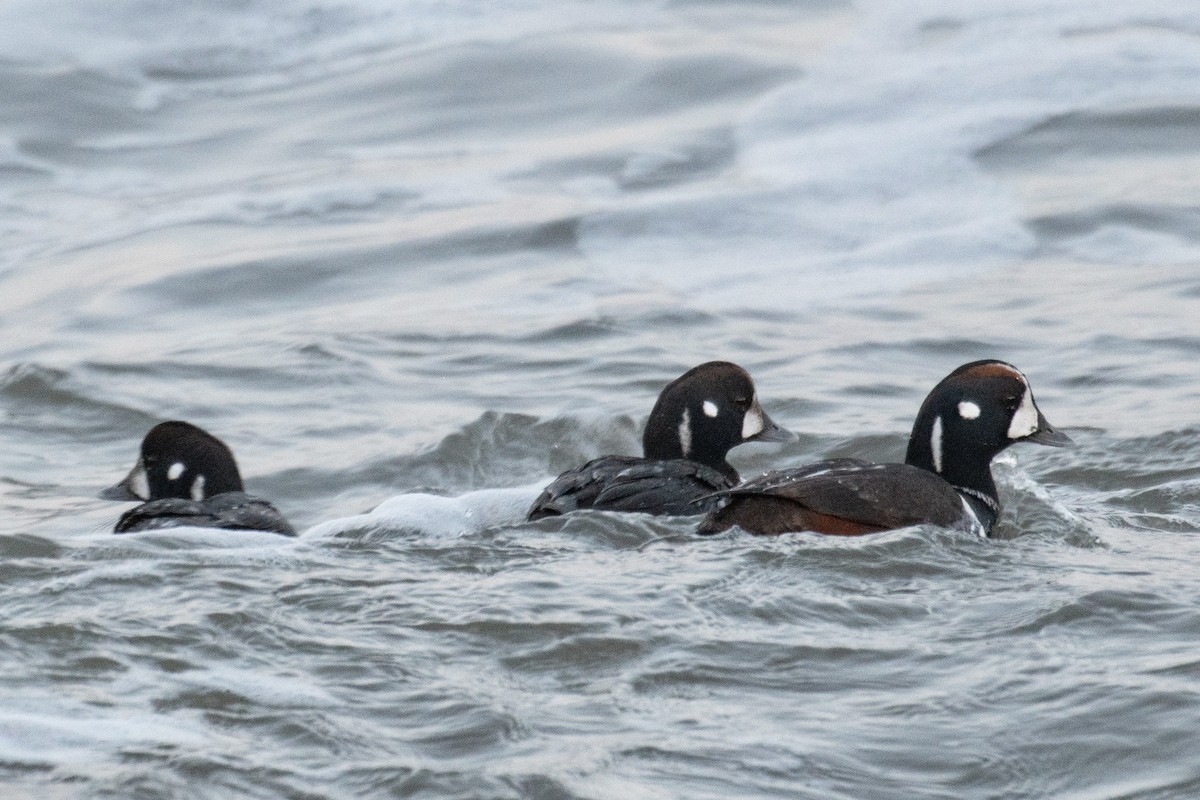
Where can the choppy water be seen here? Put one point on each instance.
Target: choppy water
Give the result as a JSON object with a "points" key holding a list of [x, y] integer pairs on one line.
{"points": [[415, 249]]}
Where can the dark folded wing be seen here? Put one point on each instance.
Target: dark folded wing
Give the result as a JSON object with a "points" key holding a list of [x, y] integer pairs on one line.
{"points": [[238, 510], [843, 496], [625, 483], [230, 510]]}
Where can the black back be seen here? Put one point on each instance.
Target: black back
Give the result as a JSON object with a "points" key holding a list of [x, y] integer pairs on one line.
{"points": [[677, 487], [228, 510], [698, 418]]}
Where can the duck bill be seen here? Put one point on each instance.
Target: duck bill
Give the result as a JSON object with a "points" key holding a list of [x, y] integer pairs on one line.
{"points": [[1048, 435], [770, 431], [127, 489]]}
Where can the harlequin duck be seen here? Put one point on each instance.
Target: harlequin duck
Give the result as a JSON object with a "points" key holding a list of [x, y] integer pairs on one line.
{"points": [[697, 419], [973, 414], [189, 478]]}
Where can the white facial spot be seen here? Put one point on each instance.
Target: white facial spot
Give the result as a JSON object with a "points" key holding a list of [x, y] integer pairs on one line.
{"points": [[685, 433], [935, 444], [198, 488], [968, 410], [175, 471], [752, 423], [1025, 418], [710, 408], [139, 482]]}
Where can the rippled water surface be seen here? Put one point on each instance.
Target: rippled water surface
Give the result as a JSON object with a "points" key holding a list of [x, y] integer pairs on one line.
{"points": [[430, 254]]}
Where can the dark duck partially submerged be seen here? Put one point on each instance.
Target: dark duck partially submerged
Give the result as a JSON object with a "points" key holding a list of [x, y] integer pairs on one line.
{"points": [[972, 415], [698, 418], [189, 478]]}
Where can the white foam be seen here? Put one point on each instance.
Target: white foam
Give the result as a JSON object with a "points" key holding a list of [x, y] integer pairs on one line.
{"points": [[44, 731], [436, 515], [266, 687], [243, 545]]}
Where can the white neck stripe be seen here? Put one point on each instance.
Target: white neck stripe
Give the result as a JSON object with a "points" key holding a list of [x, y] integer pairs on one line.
{"points": [[685, 433], [935, 444]]}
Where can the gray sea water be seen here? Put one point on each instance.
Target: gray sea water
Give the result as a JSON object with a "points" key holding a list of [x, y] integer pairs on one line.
{"points": [[430, 254]]}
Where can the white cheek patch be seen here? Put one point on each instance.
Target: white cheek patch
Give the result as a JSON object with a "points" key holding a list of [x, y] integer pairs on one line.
{"points": [[968, 410], [139, 482], [685, 433], [198, 488], [935, 444], [752, 423], [1025, 419], [710, 409], [175, 471]]}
